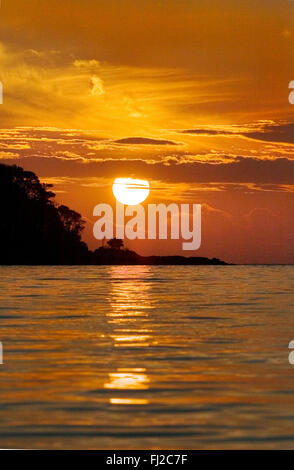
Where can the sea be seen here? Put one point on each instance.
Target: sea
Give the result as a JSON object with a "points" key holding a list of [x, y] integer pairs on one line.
{"points": [[146, 357]]}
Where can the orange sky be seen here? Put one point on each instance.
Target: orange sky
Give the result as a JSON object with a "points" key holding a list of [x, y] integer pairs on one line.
{"points": [[191, 95]]}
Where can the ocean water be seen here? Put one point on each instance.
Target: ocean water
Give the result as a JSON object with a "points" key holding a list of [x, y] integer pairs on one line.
{"points": [[147, 357]]}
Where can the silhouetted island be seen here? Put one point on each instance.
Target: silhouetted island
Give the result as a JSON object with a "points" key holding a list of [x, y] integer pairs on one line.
{"points": [[35, 230], [127, 257]]}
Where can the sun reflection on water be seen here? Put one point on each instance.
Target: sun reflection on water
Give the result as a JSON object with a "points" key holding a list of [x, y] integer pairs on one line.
{"points": [[129, 321]]}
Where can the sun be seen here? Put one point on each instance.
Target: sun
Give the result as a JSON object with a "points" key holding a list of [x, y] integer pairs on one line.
{"points": [[130, 191]]}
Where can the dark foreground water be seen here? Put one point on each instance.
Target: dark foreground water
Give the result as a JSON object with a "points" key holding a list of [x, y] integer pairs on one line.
{"points": [[146, 357]]}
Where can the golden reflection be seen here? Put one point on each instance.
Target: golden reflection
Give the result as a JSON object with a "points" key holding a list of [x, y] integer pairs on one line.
{"points": [[128, 401], [123, 379], [130, 304]]}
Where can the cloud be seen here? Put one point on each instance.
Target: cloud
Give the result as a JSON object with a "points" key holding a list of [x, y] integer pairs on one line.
{"points": [[277, 132], [206, 132], [278, 171], [59, 88], [15, 146], [87, 64], [269, 131], [98, 86], [144, 141], [8, 155]]}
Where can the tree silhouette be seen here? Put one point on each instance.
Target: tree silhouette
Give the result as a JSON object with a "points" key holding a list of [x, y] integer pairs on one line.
{"points": [[71, 220], [33, 228], [115, 243]]}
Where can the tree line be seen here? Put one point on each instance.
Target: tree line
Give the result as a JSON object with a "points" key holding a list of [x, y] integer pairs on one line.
{"points": [[34, 229]]}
